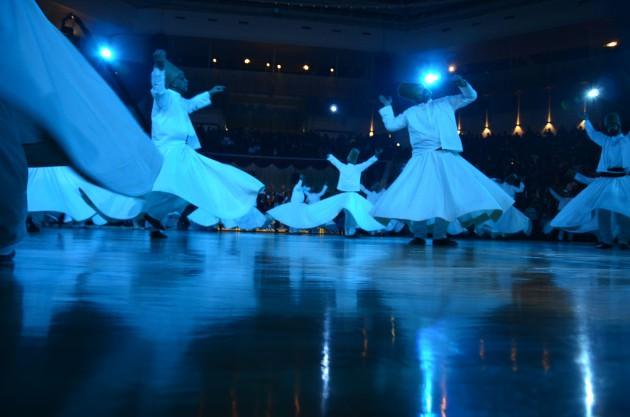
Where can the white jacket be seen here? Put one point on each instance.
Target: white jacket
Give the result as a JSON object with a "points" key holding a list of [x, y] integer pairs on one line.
{"points": [[350, 174], [431, 125]]}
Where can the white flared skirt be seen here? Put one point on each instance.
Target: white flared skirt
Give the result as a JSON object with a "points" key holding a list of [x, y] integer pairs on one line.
{"points": [[580, 214], [219, 190], [61, 189], [511, 222], [254, 219], [307, 216], [441, 184]]}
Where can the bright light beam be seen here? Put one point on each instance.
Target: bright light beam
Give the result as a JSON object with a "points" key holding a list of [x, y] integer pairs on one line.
{"points": [[430, 78], [333, 108], [106, 53], [593, 93]]}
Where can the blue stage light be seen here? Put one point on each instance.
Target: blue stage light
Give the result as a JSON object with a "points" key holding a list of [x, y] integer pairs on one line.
{"points": [[431, 78], [593, 93], [106, 53], [333, 108]]}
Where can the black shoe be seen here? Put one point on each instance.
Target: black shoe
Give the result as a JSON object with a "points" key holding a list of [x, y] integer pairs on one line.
{"points": [[33, 228], [158, 234], [417, 241], [603, 245], [6, 261], [445, 242]]}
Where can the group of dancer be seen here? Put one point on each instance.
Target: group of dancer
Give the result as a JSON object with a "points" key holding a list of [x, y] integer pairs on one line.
{"points": [[117, 172]]}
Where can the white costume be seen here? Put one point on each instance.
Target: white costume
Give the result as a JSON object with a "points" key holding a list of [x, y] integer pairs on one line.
{"points": [[438, 186], [295, 213], [59, 189], [562, 202], [312, 198], [356, 208], [603, 206], [512, 221], [218, 190], [47, 83], [298, 215], [393, 226]]}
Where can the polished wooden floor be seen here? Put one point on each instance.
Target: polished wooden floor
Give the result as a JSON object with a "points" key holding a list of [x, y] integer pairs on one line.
{"points": [[108, 323]]}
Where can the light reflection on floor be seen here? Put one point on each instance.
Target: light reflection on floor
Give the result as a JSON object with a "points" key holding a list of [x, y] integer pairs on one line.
{"points": [[106, 322]]}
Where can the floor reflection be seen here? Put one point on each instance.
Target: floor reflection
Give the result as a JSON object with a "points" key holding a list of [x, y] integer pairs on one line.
{"points": [[108, 323]]}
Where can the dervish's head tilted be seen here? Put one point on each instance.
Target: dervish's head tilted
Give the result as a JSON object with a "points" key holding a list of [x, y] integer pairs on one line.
{"points": [[417, 93]]}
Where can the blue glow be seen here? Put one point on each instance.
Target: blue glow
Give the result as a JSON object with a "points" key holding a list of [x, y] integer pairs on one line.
{"points": [[593, 93], [333, 108], [431, 78], [426, 358], [106, 53]]}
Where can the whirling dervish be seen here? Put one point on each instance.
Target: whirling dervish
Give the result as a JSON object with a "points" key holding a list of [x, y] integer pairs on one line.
{"points": [[61, 99], [356, 208], [603, 207], [295, 213], [512, 221], [437, 186], [211, 190]]}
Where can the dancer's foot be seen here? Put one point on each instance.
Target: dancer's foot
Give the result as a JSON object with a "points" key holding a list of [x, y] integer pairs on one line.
{"points": [[183, 223], [6, 261], [32, 228], [417, 241], [603, 245], [158, 234], [446, 242]]}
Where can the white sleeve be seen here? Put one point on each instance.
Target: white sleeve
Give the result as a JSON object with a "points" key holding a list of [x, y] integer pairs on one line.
{"points": [[323, 191], [198, 102], [392, 124], [158, 87], [337, 163], [467, 96], [594, 135], [583, 179], [555, 195], [365, 165]]}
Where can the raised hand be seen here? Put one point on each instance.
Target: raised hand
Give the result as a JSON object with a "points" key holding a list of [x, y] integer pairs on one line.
{"points": [[459, 81], [386, 101], [159, 58], [216, 90]]}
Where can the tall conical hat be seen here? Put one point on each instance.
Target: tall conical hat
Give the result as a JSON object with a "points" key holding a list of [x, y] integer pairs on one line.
{"points": [[171, 73]]}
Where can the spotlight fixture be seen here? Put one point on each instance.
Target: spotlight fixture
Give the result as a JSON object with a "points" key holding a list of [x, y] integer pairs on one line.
{"points": [[214, 60], [268, 64], [306, 67], [278, 67], [452, 68], [333, 108], [247, 61], [332, 70]]}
